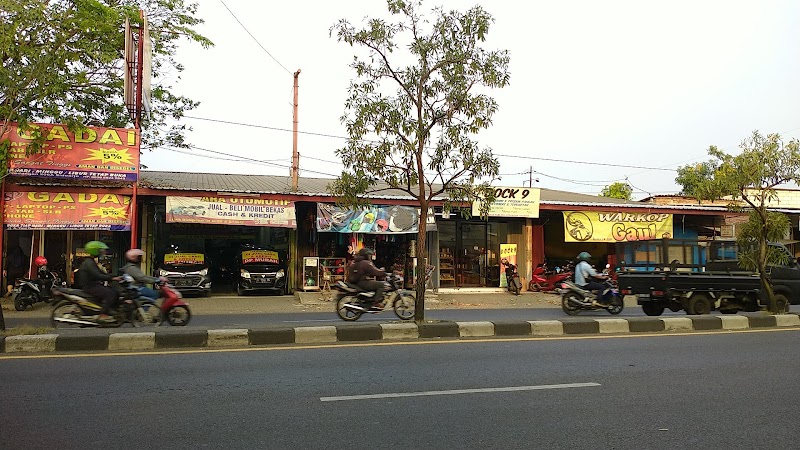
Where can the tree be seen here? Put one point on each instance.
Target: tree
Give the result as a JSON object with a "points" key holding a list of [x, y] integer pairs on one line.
{"points": [[751, 176], [618, 190], [415, 107], [62, 63]]}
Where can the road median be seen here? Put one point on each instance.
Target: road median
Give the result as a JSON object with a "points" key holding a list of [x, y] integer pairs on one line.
{"points": [[386, 332]]}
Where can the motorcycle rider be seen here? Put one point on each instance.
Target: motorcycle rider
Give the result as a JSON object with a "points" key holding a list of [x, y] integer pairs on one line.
{"points": [[132, 268], [585, 277], [363, 268], [92, 276]]}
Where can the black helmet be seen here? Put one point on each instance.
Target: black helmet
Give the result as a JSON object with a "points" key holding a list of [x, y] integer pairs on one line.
{"points": [[366, 252]]}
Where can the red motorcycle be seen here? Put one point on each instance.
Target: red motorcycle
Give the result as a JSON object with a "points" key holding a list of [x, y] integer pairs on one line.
{"points": [[545, 281], [174, 309]]}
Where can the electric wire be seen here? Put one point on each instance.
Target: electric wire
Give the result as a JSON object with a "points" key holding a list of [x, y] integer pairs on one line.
{"points": [[254, 38]]}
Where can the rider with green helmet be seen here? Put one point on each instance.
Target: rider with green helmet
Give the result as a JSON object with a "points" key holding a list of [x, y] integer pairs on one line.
{"points": [[586, 276], [92, 277]]}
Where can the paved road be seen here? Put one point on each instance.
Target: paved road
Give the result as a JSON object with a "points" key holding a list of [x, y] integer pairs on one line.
{"points": [[704, 391]]}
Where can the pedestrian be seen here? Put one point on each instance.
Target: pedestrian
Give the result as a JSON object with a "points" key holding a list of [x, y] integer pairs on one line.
{"points": [[16, 266]]}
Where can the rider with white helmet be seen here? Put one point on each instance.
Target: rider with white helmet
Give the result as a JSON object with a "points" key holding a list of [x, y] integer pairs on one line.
{"points": [[132, 267]]}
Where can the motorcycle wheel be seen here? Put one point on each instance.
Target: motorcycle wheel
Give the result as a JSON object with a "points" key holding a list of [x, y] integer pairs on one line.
{"points": [[405, 307], [617, 305], [66, 310], [515, 286], [343, 311], [179, 316], [569, 307], [534, 287], [23, 300], [152, 315]]}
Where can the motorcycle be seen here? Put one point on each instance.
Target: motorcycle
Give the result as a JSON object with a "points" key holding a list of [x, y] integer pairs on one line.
{"points": [[352, 302], [27, 292], [512, 279], [545, 281], [75, 308], [577, 299], [173, 308]]}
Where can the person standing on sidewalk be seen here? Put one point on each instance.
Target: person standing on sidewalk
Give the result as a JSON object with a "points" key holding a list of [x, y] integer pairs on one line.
{"points": [[16, 262]]}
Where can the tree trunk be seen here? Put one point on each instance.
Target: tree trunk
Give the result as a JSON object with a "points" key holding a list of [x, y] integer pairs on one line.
{"points": [[766, 282], [419, 286]]}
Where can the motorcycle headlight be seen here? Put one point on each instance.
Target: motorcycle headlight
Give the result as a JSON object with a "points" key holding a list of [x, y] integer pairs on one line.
{"points": [[203, 272], [280, 274], [245, 274], [162, 273]]}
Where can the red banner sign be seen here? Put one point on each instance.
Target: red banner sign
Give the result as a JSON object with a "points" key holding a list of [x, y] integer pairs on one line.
{"points": [[95, 153], [66, 211]]}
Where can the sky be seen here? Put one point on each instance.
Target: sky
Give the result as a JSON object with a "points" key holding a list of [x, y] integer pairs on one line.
{"points": [[631, 83]]}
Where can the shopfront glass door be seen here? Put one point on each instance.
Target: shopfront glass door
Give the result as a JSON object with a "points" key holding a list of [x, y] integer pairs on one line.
{"points": [[471, 259]]}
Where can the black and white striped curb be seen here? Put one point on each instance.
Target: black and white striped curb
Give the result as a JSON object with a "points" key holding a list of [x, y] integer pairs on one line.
{"points": [[383, 332]]}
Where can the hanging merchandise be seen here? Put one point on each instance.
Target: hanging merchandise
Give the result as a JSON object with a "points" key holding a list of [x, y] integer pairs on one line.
{"points": [[371, 220]]}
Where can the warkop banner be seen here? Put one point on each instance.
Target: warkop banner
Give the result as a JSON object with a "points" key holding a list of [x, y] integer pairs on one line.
{"points": [[96, 153], [256, 212], [588, 226], [66, 211]]}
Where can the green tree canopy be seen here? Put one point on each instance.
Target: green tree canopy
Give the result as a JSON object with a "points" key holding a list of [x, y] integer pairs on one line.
{"points": [[62, 62], [419, 99], [764, 163], [618, 190]]}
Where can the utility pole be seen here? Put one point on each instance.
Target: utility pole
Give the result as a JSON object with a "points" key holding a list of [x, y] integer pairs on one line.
{"points": [[295, 155], [530, 176]]}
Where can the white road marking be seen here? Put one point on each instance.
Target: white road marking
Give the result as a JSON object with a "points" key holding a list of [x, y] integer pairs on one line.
{"points": [[458, 391], [312, 320]]}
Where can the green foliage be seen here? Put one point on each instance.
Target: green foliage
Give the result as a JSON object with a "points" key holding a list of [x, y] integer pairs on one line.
{"points": [[62, 63], [618, 190], [751, 177], [414, 109], [750, 233]]}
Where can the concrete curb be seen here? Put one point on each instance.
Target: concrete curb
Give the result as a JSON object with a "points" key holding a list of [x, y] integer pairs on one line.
{"points": [[367, 332]]}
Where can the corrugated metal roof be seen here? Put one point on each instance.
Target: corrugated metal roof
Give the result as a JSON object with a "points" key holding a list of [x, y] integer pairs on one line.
{"points": [[318, 187]]}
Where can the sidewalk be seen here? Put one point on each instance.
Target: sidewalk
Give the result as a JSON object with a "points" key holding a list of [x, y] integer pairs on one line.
{"points": [[312, 302]]}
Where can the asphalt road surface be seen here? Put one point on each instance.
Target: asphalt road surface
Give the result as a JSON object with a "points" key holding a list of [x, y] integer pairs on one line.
{"points": [[215, 321], [646, 392]]}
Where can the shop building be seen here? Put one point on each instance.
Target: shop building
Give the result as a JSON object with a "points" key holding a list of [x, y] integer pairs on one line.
{"points": [[221, 216]]}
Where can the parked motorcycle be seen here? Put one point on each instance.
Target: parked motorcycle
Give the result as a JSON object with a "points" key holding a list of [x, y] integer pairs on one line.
{"points": [[27, 292], [75, 308], [173, 308], [512, 278], [352, 302], [576, 299], [545, 281]]}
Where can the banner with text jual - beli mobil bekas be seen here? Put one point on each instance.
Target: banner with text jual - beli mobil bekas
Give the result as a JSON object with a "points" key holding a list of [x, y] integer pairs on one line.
{"points": [[248, 211], [613, 226]]}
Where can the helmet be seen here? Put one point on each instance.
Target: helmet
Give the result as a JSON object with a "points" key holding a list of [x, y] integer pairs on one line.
{"points": [[94, 248], [40, 261], [134, 255], [584, 256], [366, 252]]}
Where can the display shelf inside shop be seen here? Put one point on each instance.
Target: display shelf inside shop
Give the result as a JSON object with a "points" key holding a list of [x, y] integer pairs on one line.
{"points": [[334, 266], [447, 272]]}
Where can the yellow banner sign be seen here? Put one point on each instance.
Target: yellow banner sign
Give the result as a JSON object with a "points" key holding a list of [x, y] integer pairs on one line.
{"points": [[184, 259], [591, 226], [512, 202], [260, 256]]}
